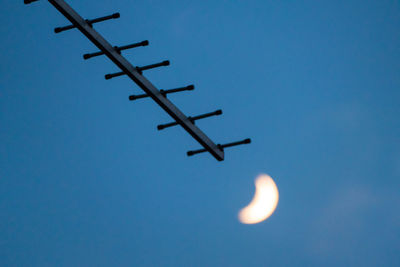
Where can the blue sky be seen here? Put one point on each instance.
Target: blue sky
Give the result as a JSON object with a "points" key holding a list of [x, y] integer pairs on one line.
{"points": [[87, 180]]}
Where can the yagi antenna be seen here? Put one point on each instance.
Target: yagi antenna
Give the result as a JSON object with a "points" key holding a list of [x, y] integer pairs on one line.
{"points": [[135, 74]]}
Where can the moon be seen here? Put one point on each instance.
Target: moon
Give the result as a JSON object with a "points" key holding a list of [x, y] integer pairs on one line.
{"points": [[264, 202]]}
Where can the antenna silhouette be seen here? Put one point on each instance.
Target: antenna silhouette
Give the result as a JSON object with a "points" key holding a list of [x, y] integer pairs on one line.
{"points": [[135, 74]]}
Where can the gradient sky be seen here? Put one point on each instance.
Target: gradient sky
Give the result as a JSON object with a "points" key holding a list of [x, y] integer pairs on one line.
{"points": [[87, 180]]}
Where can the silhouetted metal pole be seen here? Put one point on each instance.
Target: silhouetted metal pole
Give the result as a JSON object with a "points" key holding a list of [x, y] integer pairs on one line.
{"points": [[135, 74]]}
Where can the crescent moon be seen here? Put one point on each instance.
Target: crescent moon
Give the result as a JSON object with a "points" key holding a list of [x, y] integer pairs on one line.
{"points": [[264, 202]]}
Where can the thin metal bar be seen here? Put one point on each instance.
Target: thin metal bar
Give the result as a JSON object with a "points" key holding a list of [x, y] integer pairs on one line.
{"points": [[113, 16], [26, 2], [245, 141], [215, 113], [163, 126], [143, 43], [118, 48], [152, 66], [90, 22], [192, 119], [194, 152], [139, 69], [65, 28], [176, 90], [164, 92], [134, 97], [96, 54], [140, 80], [113, 75]]}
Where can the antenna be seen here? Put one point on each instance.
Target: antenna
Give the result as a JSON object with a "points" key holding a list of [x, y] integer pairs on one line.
{"points": [[85, 26]]}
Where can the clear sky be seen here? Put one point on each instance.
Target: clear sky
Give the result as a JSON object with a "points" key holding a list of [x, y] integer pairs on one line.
{"points": [[87, 180]]}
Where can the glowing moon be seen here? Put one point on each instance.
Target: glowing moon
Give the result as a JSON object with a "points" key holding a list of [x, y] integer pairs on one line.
{"points": [[263, 203]]}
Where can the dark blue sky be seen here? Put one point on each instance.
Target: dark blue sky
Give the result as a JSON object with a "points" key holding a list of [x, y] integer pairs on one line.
{"points": [[87, 180]]}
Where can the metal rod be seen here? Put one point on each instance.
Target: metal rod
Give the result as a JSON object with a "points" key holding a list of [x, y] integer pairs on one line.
{"points": [[113, 75], [26, 2], [164, 92], [139, 69], [194, 152], [90, 22], [243, 142], [152, 66], [87, 56], [140, 80], [134, 97], [192, 119], [143, 43], [65, 28], [113, 16], [181, 89], [163, 126], [117, 48], [215, 113], [221, 147]]}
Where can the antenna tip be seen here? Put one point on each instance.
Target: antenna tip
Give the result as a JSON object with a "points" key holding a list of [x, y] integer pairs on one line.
{"points": [[145, 43], [160, 127], [166, 63], [116, 15], [107, 76], [132, 97], [218, 112], [190, 87], [247, 141]]}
